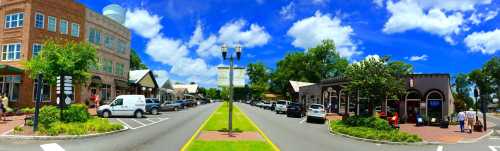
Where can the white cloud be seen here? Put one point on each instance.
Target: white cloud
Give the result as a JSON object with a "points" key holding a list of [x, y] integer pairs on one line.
{"points": [[166, 50], [477, 17], [374, 56], [197, 36], [452, 5], [319, 2], [288, 12], [484, 42], [143, 23], [195, 70], [232, 33], [208, 48], [310, 31], [161, 76], [379, 3], [418, 58], [408, 15]]}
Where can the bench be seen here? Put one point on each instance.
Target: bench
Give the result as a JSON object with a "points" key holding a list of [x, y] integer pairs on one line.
{"points": [[28, 117]]}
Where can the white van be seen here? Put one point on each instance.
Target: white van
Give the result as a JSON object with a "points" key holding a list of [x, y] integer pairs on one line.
{"points": [[124, 105], [281, 106]]}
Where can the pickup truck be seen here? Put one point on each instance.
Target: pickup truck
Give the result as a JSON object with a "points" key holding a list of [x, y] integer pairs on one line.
{"points": [[170, 106]]}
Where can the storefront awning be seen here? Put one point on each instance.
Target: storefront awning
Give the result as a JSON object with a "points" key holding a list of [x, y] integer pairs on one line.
{"points": [[121, 83], [8, 69]]}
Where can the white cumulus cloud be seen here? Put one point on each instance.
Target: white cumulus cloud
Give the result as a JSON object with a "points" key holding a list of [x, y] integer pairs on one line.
{"points": [[310, 31], [484, 42], [418, 58], [288, 12], [233, 32], [166, 50], [143, 23]]}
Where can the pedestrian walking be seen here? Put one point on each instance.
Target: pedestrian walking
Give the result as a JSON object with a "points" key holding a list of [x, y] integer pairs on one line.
{"points": [[1, 111], [470, 119], [5, 106], [461, 120]]}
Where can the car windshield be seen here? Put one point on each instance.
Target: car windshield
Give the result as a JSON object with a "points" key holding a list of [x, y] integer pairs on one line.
{"points": [[315, 106]]}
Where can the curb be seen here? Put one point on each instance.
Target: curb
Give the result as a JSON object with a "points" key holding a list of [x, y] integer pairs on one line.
{"points": [[276, 148], [65, 137], [403, 143]]}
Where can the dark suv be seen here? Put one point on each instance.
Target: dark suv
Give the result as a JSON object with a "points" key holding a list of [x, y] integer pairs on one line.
{"points": [[152, 105], [295, 110]]}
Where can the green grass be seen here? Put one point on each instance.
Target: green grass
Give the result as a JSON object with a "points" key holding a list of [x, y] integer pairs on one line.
{"points": [[373, 133], [219, 121], [230, 146]]}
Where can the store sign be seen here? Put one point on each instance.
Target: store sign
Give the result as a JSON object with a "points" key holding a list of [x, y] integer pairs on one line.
{"points": [[412, 82], [238, 76]]}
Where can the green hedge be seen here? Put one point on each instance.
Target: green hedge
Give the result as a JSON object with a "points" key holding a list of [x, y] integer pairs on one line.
{"points": [[392, 135], [93, 125], [76, 113], [48, 115], [371, 122]]}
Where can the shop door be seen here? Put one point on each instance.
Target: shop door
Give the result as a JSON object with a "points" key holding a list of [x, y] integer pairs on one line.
{"points": [[412, 108]]}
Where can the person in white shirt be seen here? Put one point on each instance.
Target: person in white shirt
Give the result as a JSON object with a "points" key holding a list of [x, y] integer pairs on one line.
{"points": [[461, 120], [470, 119]]}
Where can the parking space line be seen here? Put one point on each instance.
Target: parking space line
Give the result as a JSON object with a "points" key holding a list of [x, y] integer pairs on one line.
{"points": [[138, 122], [302, 121], [125, 124], [494, 148], [51, 147], [439, 148], [150, 119], [495, 138]]}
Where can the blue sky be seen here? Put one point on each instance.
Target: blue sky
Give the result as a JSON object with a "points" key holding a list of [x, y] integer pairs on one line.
{"points": [[180, 39]]}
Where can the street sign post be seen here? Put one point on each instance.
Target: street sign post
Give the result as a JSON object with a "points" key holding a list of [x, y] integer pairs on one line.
{"points": [[64, 91], [38, 99]]}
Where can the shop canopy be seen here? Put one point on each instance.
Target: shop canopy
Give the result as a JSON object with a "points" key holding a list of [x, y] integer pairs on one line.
{"points": [[8, 69]]}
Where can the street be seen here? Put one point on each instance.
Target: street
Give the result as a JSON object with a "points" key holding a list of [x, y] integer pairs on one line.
{"points": [[168, 135], [294, 134]]}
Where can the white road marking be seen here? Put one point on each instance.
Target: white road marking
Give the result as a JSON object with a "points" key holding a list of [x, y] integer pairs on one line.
{"points": [[51, 147], [302, 121], [378, 144], [125, 123], [494, 148], [149, 119], [439, 148], [496, 138], [138, 122]]}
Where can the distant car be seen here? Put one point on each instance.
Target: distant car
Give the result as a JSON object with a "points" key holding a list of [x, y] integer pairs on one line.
{"points": [[498, 110], [259, 104], [191, 103], [153, 106], [273, 105], [316, 112], [266, 105], [183, 103], [295, 110], [281, 106], [124, 105], [170, 106]]}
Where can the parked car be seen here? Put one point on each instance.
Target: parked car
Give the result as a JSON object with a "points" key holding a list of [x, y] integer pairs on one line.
{"points": [[124, 105], [281, 106], [273, 105], [295, 110], [259, 104], [183, 103], [170, 106], [316, 112], [153, 106], [266, 105], [191, 103]]}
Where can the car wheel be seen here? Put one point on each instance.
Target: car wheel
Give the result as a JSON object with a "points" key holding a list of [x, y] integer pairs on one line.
{"points": [[308, 120], [106, 114], [138, 114], [154, 111]]}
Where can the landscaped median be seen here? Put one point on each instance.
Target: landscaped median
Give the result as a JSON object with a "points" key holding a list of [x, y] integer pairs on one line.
{"points": [[373, 129], [76, 122], [212, 135]]}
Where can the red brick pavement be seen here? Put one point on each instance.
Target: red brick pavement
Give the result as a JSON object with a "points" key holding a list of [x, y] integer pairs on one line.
{"points": [[10, 123], [436, 134]]}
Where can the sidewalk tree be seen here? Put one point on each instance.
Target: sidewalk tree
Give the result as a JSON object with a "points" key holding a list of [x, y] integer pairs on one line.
{"points": [[492, 69], [462, 86], [135, 61], [63, 58], [259, 77], [377, 79]]}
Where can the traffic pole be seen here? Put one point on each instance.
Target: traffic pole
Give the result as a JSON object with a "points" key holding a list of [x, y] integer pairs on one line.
{"points": [[37, 101]]}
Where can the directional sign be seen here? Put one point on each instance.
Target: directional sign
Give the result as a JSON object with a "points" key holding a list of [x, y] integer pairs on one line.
{"points": [[67, 100], [58, 100]]}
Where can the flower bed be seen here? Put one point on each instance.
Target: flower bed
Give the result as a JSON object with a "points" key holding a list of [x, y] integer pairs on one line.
{"points": [[375, 132]]}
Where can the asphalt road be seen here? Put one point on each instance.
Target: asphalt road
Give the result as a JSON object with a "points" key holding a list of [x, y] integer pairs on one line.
{"points": [[168, 135], [294, 134]]}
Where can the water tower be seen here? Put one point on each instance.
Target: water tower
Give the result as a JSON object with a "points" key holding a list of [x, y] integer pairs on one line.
{"points": [[115, 12]]}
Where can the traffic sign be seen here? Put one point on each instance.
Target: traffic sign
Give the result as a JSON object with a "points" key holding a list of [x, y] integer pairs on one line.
{"points": [[67, 100]]}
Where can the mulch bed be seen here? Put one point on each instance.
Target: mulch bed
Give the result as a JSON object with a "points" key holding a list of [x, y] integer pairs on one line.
{"points": [[224, 136]]}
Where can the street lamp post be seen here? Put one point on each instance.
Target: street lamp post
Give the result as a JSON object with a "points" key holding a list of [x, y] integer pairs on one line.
{"points": [[231, 64]]}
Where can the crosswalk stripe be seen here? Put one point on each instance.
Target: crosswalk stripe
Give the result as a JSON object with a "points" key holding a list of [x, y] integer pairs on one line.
{"points": [[51, 147], [439, 148]]}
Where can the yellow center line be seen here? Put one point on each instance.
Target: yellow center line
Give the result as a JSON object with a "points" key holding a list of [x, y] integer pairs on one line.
{"points": [[184, 148]]}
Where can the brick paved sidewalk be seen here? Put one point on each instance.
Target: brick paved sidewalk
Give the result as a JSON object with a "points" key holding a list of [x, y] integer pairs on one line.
{"points": [[436, 134], [12, 121]]}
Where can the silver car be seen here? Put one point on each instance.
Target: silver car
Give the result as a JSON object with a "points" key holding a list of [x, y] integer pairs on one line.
{"points": [[170, 106], [316, 112]]}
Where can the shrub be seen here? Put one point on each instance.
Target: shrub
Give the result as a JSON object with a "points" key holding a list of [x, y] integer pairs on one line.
{"points": [[93, 125], [18, 129], [372, 133], [76, 113], [372, 122], [29, 122], [28, 110], [48, 115]]}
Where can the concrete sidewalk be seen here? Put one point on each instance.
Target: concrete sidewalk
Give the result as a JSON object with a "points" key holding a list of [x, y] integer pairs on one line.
{"points": [[10, 123]]}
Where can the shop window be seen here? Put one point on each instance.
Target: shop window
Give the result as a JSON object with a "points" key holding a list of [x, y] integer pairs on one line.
{"points": [[108, 41], [11, 52], [9, 85], [36, 49], [14, 20], [94, 36], [75, 30], [52, 24], [63, 27]]}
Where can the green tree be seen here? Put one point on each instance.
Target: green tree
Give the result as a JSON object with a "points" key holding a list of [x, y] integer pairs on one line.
{"points": [[462, 86], [135, 61], [492, 69], [70, 59], [212, 93], [483, 81], [259, 79], [377, 79]]}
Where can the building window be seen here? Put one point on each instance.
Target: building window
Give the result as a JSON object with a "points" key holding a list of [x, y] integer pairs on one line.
{"points": [[39, 20], [14, 20], [119, 69], [45, 91], [10, 84], [108, 66], [11, 52], [121, 46], [75, 30], [108, 41], [94, 36], [52, 24], [64, 26], [36, 49]]}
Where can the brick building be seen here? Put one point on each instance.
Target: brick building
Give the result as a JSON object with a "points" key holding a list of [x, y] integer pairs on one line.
{"points": [[26, 24]]}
